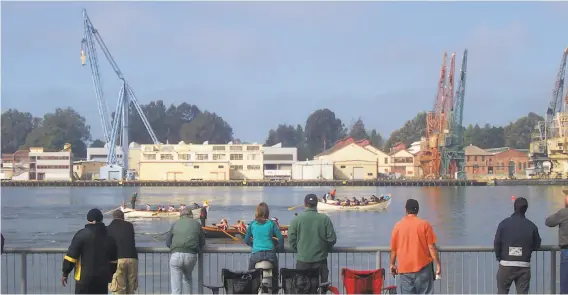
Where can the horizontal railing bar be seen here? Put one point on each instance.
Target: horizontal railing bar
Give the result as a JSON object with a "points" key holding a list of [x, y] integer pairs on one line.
{"points": [[246, 249]]}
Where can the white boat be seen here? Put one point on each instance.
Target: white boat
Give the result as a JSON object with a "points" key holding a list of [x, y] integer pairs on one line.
{"points": [[372, 206], [135, 213]]}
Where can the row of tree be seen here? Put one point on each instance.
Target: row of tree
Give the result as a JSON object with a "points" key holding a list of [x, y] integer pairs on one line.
{"points": [[188, 123]]}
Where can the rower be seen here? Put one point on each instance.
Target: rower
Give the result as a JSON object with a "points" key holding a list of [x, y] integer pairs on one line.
{"points": [[224, 225], [196, 206], [133, 200], [356, 202], [181, 207], [374, 198], [171, 208], [148, 207]]}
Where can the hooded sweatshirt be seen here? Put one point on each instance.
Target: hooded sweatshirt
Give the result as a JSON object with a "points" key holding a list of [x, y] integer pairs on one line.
{"points": [[515, 240]]}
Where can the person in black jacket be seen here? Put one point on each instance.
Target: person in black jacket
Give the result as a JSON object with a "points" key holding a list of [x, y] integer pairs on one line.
{"points": [[2, 243], [515, 240], [93, 255], [203, 214], [125, 279]]}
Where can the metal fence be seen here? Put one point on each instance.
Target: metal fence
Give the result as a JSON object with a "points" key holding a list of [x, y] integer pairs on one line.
{"points": [[465, 270]]}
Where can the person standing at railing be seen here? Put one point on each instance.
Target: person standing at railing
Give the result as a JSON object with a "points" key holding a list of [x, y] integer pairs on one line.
{"points": [[560, 219], [414, 253], [186, 240], [2, 243], [93, 255], [125, 279], [311, 236], [515, 240]]}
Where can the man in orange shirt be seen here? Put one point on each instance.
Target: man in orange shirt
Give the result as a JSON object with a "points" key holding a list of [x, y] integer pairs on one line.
{"points": [[413, 245]]}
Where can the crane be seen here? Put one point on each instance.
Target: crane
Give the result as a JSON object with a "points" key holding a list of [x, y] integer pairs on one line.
{"points": [[126, 96], [538, 152]]}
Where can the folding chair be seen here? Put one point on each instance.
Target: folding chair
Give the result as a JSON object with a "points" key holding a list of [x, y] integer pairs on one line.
{"points": [[302, 281], [239, 282], [365, 281]]}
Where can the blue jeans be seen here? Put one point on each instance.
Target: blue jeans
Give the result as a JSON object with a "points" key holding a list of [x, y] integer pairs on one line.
{"points": [[181, 266], [266, 256], [421, 282], [564, 271]]}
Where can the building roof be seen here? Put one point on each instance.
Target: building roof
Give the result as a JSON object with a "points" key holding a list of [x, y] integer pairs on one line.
{"points": [[343, 143], [476, 151], [499, 150]]}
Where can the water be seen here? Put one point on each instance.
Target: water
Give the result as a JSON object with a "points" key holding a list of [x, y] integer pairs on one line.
{"points": [[48, 217]]}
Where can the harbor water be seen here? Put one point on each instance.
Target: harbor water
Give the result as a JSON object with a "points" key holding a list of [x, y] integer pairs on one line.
{"points": [[461, 216]]}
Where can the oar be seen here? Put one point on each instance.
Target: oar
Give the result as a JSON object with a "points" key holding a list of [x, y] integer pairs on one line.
{"points": [[155, 237], [292, 208], [110, 211], [230, 236]]}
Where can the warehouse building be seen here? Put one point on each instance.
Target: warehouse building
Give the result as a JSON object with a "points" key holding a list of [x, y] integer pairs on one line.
{"points": [[313, 170], [278, 161], [50, 165]]}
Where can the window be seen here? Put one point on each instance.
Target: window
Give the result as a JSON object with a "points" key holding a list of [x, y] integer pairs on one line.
{"points": [[525, 166], [468, 158], [342, 166], [218, 148], [386, 160], [236, 157], [236, 167], [184, 157], [220, 166], [370, 174], [482, 158], [253, 148], [195, 166], [53, 157], [280, 157], [202, 157], [52, 166], [253, 167], [236, 148], [475, 158], [149, 157], [252, 157], [219, 157], [166, 157]]}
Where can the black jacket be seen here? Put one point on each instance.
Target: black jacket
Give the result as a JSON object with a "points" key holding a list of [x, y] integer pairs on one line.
{"points": [[515, 239], [123, 233], [92, 253], [203, 214], [2, 242]]}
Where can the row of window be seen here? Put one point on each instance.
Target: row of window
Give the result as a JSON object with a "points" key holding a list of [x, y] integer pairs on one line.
{"points": [[49, 158], [52, 167], [217, 157], [235, 167]]}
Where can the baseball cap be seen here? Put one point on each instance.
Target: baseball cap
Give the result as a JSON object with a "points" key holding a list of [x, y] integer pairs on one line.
{"points": [[95, 215], [412, 204], [311, 200]]}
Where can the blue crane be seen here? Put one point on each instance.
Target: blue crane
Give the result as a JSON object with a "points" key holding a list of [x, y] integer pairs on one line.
{"points": [[126, 96]]}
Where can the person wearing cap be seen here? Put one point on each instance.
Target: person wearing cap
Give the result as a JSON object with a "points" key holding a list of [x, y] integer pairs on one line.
{"points": [[515, 240], [203, 214], [560, 219], [93, 255], [186, 240], [311, 236], [414, 253], [125, 279]]}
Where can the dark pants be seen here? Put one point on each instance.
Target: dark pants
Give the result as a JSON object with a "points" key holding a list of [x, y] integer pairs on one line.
{"points": [[133, 203], [420, 282], [94, 285], [267, 256], [324, 271], [506, 275], [564, 271], [202, 221]]}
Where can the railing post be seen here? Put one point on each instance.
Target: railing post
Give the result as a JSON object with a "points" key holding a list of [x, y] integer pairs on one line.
{"points": [[23, 274], [553, 271], [200, 273], [379, 259]]}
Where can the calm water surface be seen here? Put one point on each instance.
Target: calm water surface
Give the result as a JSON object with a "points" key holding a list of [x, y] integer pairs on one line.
{"points": [[48, 217]]}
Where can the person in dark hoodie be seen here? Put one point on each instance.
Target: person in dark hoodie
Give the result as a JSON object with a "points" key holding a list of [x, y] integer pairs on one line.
{"points": [[125, 279], [93, 255], [515, 240], [560, 219]]}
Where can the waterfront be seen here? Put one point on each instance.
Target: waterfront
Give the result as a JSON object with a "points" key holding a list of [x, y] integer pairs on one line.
{"points": [[462, 216]]}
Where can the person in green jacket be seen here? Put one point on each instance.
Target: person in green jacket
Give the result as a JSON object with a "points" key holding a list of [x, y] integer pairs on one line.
{"points": [[311, 236], [186, 240]]}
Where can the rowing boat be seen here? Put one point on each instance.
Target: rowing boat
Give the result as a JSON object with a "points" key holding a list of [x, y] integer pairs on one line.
{"points": [[213, 232], [335, 206], [135, 213]]}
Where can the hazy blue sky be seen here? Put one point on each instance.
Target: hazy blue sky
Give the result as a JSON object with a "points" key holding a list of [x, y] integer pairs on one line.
{"points": [[258, 64]]}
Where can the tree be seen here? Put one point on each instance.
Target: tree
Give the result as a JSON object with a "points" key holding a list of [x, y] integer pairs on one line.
{"points": [[322, 129], [412, 131], [285, 134], [376, 139], [487, 137], [518, 134], [206, 127], [15, 128], [358, 130], [61, 127], [97, 144]]}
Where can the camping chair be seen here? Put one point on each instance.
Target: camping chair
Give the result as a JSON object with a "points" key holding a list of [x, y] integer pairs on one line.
{"points": [[365, 281], [302, 281], [239, 282]]}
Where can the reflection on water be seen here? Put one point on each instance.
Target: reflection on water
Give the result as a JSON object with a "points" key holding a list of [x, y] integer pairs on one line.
{"points": [[48, 217]]}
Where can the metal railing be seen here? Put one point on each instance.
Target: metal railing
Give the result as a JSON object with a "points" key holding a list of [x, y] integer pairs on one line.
{"points": [[465, 270]]}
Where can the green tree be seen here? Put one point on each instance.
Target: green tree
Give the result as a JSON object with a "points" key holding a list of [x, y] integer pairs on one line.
{"points": [[322, 129], [97, 143], [376, 139], [358, 131], [285, 134], [206, 126], [412, 131], [61, 127], [518, 134], [15, 128]]}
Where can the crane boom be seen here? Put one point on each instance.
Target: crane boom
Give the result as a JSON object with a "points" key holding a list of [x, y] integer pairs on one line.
{"points": [[457, 128]]}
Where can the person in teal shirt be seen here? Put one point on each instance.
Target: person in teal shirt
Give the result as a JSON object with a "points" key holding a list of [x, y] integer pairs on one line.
{"points": [[263, 231]]}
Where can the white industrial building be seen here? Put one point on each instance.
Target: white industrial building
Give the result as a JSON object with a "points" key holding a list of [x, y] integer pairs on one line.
{"points": [[313, 170], [100, 154], [50, 165], [278, 161]]}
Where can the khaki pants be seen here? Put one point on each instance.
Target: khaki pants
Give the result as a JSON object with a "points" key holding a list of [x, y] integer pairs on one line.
{"points": [[125, 279]]}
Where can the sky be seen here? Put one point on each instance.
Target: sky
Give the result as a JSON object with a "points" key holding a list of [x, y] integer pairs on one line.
{"points": [[260, 64]]}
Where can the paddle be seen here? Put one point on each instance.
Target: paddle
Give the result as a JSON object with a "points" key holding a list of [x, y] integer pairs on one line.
{"points": [[292, 208], [230, 236], [110, 211], [155, 237]]}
